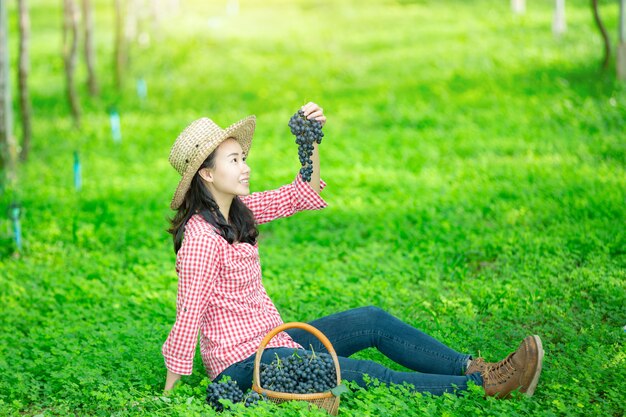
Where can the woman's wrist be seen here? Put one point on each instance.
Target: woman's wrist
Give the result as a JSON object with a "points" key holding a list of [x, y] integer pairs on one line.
{"points": [[315, 175], [171, 380]]}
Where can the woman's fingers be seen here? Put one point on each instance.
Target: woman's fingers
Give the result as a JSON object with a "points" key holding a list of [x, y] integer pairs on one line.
{"points": [[313, 111], [321, 119], [314, 115], [317, 115], [311, 108]]}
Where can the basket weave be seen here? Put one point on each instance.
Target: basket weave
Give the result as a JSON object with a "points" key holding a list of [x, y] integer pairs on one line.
{"points": [[323, 400]]}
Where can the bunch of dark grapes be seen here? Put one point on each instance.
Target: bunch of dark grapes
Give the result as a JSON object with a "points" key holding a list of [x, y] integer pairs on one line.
{"points": [[223, 390], [252, 398], [306, 132], [229, 390], [300, 373]]}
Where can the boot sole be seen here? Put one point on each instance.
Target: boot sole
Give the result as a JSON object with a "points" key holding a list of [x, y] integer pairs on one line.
{"points": [[533, 383]]}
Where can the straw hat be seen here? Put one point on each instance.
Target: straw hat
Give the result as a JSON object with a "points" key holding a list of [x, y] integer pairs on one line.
{"points": [[196, 143]]}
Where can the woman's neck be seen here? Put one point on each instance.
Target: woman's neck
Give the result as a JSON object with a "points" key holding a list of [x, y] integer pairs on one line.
{"points": [[224, 203]]}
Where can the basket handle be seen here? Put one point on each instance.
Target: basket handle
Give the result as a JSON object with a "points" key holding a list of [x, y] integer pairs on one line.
{"points": [[293, 325]]}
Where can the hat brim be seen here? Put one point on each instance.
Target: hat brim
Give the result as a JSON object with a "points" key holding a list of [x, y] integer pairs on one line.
{"points": [[242, 131]]}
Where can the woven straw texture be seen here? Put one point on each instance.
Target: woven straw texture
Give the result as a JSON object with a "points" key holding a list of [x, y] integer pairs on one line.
{"points": [[324, 400], [196, 143]]}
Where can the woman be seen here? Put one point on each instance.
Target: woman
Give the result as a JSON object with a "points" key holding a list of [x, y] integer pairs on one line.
{"points": [[221, 295]]}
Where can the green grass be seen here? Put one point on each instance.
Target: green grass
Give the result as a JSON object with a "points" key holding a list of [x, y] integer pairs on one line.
{"points": [[476, 189]]}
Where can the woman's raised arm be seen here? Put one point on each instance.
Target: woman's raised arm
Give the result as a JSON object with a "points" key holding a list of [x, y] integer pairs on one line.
{"points": [[314, 112]]}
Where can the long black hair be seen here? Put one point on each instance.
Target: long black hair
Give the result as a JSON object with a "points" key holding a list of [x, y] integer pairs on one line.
{"points": [[198, 199]]}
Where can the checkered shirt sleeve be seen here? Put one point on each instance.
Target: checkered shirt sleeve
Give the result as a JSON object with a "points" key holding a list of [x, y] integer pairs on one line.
{"points": [[284, 201], [198, 267]]}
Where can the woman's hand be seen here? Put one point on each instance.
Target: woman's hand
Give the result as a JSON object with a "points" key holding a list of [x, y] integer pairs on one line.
{"points": [[314, 112]]}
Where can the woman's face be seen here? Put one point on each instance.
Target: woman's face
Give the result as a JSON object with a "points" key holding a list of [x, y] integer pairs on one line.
{"points": [[231, 175]]}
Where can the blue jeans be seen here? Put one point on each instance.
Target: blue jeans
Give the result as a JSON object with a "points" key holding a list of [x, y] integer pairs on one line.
{"points": [[439, 369]]}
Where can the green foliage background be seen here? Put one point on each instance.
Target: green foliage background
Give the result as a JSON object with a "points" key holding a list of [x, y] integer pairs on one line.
{"points": [[476, 189]]}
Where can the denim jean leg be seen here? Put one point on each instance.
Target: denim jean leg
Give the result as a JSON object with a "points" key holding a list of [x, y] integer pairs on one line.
{"points": [[360, 328], [355, 370]]}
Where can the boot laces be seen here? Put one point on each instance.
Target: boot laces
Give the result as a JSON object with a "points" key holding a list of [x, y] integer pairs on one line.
{"points": [[500, 372]]}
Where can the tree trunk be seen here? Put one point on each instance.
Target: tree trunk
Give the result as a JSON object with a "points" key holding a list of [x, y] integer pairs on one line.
{"points": [[24, 68], [558, 24], [605, 36], [120, 45], [157, 14], [518, 6], [70, 48], [232, 7], [8, 148], [90, 58], [621, 48], [131, 20]]}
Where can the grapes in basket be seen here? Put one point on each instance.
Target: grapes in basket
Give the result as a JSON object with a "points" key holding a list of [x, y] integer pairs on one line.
{"points": [[301, 373], [229, 390], [306, 132]]}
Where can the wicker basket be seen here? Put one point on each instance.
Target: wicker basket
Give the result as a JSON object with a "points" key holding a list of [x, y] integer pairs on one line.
{"points": [[323, 400]]}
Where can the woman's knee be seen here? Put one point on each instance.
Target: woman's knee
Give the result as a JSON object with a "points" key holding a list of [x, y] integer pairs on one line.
{"points": [[356, 369], [374, 314]]}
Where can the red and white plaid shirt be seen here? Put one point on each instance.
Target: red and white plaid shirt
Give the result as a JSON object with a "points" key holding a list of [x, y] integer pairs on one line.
{"points": [[220, 292]]}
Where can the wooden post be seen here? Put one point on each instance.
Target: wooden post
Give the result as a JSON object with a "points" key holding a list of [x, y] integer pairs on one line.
{"points": [[621, 48], [142, 89], [90, 58], [78, 181], [558, 24], [518, 6], [8, 148], [24, 67], [14, 212], [116, 129]]}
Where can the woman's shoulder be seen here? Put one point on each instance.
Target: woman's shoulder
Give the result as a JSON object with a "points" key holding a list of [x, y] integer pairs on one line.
{"points": [[199, 241], [197, 228]]}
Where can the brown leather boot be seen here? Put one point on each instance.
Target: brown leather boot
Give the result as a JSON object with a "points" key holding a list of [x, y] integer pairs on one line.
{"points": [[520, 369], [478, 365]]}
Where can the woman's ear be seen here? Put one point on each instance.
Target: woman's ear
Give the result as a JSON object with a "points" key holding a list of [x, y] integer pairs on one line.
{"points": [[206, 174]]}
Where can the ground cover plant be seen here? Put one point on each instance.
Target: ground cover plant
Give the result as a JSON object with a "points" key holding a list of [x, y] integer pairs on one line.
{"points": [[476, 189]]}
